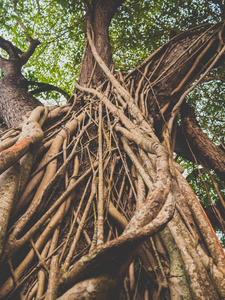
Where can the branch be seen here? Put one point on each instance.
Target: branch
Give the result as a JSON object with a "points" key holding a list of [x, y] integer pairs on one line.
{"points": [[33, 42], [12, 50], [44, 87], [16, 53], [177, 107], [200, 144], [26, 55]]}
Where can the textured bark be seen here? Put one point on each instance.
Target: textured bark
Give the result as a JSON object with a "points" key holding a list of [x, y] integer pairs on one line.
{"points": [[167, 67], [93, 288], [15, 101], [204, 149], [99, 14], [8, 192]]}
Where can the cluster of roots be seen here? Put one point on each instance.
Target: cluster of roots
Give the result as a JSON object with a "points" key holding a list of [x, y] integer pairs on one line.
{"points": [[94, 206]]}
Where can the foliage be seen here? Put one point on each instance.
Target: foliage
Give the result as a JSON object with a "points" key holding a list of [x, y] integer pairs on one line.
{"points": [[152, 23], [57, 59]]}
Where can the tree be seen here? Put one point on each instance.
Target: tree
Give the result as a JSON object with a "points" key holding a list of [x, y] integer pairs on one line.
{"points": [[93, 204]]}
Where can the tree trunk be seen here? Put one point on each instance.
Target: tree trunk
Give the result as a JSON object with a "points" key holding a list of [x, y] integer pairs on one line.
{"points": [[99, 15], [15, 101]]}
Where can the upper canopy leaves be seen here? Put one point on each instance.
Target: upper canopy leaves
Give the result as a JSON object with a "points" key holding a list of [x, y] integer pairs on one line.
{"points": [[59, 25]]}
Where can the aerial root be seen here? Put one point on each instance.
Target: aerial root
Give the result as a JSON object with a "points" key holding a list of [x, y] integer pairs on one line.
{"points": [[120, 187]]}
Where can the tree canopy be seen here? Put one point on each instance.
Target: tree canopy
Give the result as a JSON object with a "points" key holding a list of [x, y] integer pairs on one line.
{"points": [[59, 26]]}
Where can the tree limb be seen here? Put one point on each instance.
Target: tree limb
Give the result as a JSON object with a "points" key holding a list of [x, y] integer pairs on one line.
{"points": [[16, 53], [10, 48], [44, 87], [26, 55], [201, 144]]}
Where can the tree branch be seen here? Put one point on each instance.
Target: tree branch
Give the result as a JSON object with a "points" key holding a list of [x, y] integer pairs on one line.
{"points": [[10, 48], [16, 53], [44, 87], [201, 145], [26, 55]]}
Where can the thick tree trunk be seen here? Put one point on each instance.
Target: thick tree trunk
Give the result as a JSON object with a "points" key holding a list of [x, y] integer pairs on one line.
{"points": [[15, 101], [160, 82], [99, 15]]}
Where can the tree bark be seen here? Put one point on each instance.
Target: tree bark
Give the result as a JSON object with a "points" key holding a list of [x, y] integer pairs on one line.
{"points": [[99, 13], [172, 68], [203, 148], [15, 101]]}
